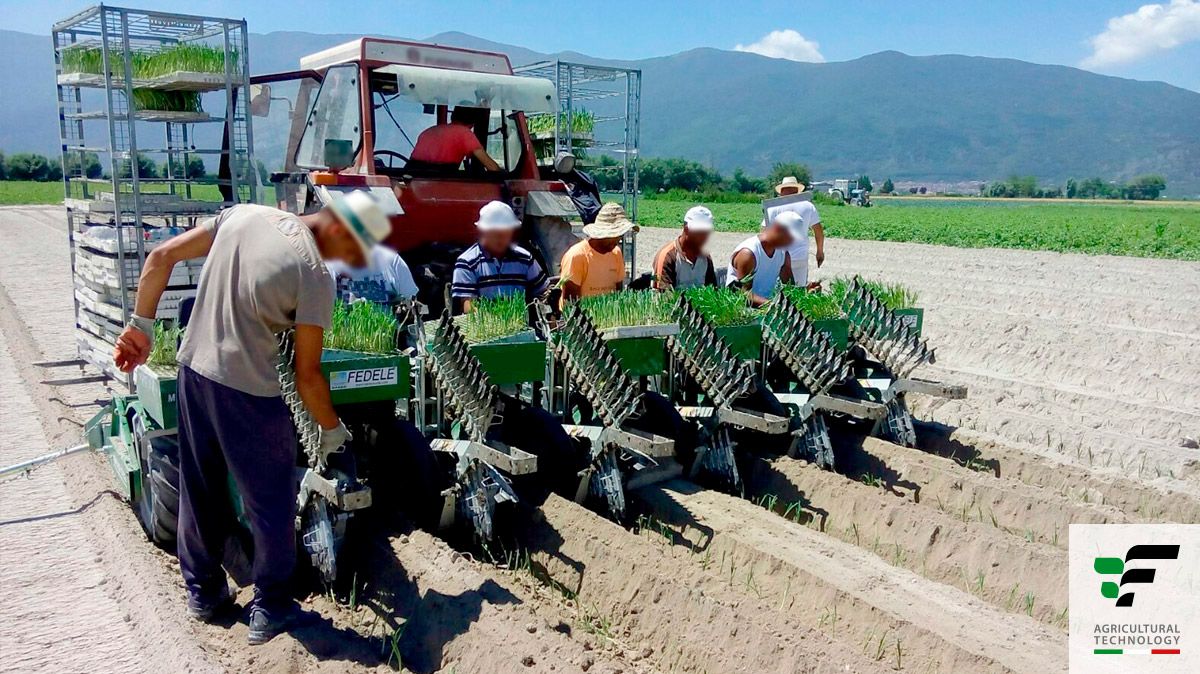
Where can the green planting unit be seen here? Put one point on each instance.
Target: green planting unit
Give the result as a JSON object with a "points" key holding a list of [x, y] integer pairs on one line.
{"points": [[100, 431], [641, 356], [744, 340], [356, 377], [513, 360], [838, 330], [914, 317], [157, 389]]}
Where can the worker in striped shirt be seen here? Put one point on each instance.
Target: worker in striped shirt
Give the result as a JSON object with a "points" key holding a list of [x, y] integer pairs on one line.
{"points": [[496, 265]]}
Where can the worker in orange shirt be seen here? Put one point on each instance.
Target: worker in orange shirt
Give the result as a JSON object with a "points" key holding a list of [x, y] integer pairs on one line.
{"points": [[596, 265]]}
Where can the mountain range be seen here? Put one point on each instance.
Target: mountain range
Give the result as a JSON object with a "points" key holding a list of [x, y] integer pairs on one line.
{"points": [[936, 118]]}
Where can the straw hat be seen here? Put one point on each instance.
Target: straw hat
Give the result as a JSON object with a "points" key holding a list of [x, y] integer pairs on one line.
{"points": [[611, 223], [789, 181], [363, 217], [496, 215]]}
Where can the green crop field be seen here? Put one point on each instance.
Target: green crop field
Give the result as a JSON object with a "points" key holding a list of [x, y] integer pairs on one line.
{"points": [[22, 192], [1137, 229], [27, 192]]}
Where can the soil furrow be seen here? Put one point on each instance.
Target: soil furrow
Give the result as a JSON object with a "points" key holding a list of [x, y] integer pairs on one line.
{"points": [[965, 549], [1150, 500], [972, 491], [824, 581], [677, 604], [1057, 430]]}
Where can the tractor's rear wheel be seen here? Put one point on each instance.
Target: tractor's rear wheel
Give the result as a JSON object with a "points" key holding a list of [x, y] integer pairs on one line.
{"points": [[837, 194], [158, 507]]}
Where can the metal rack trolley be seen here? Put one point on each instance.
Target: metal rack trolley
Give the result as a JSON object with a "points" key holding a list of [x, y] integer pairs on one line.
{"points": [[128, 199], [616, 94]]}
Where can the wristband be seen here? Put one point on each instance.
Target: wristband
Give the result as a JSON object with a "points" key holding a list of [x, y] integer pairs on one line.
{"points": [[143, 325]]}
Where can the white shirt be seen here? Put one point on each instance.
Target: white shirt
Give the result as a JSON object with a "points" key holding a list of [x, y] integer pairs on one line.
{"points": [[808, 214], [766, 267], [385, 277], [799, 248]]}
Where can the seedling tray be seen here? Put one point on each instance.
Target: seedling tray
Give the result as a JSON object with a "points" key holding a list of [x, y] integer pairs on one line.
{"points": [[356, 377], [157, 389]]}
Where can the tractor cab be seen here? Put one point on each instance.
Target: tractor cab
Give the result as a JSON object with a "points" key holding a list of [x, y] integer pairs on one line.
{"points": [[350, 117]]}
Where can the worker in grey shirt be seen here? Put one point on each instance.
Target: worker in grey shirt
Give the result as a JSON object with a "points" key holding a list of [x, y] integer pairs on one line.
{"points": [[264, 274]]}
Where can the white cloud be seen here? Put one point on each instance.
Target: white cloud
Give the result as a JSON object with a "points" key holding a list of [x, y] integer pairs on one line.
{"points": [[1152, 28], [785, 44]]}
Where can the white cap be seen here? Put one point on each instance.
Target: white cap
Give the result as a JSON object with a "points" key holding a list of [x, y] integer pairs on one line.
{"points": [[698, 219], [794, 224], [497, 215], [363, 217]]}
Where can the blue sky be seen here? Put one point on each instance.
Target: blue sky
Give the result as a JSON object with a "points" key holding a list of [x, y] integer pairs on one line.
{"points": [[1137, 39]]}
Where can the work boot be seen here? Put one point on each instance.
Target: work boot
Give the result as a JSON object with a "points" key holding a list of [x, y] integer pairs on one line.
{"points": [[204, 606], [266, 624]]}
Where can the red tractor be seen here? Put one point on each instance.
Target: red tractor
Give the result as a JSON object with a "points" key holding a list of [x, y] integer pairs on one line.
{"points": [[353, 115]]}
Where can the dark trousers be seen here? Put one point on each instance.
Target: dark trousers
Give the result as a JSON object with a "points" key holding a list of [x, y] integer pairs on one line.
{"points": [[225, 433]]}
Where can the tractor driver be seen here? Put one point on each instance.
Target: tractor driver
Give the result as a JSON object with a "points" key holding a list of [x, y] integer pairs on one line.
{"points": [[447, 145], [761, 262], [263, 275], [495, 265]]}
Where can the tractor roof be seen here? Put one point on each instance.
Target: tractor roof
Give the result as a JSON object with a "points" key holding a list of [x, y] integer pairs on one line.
{"points": [[380, 51]]}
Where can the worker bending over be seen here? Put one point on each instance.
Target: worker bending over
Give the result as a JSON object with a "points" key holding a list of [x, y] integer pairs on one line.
{"points": [[385, 278], [263, 275], [596, 265], [798, 251], [682, 262], [447, 145], [761, 262], [496, 265]]}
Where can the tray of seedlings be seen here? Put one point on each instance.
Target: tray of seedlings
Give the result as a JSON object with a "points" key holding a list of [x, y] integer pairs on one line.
{"points": [[180, 67], [635, 324], [499, 337]]}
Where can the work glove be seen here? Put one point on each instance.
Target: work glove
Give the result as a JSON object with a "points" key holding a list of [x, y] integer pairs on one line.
{"points": [[334, 439]]}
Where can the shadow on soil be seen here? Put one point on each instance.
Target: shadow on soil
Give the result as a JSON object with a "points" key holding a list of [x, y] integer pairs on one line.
{"points": [[411, 625], [939, 439], [64, 513]]}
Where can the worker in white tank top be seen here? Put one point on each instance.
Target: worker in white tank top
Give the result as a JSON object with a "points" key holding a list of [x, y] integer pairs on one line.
{"points": [[764, 257]]}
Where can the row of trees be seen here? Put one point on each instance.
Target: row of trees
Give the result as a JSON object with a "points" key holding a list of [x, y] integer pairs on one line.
{"points": [[664, 175], [29, 166], [1142, 188]]}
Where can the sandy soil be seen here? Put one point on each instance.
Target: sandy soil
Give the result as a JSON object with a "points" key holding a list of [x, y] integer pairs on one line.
{"points": [[910, 560]]}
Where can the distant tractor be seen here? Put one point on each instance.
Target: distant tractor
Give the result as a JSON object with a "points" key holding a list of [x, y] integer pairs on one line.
{"points": [[850, 192]]}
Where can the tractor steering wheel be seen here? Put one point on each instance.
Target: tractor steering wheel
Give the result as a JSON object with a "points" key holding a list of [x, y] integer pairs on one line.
{"points": [[390, 156]]}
